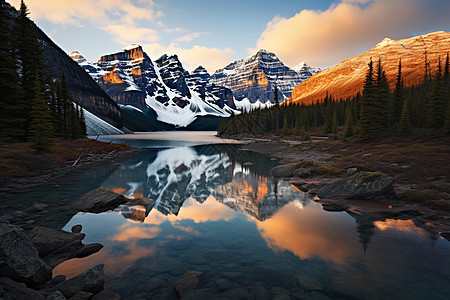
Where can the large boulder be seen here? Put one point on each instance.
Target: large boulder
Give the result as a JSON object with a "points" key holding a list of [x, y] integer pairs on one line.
{"points": [[284, 171], [19, 260], [47, 240], [91, 281], [55, 246], [366, 185], [97, 201], [9, 289]]}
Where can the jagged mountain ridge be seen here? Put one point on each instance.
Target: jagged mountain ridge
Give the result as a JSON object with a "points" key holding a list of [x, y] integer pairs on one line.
{"points": [[254, 77], [347, 78], [161, 90]]}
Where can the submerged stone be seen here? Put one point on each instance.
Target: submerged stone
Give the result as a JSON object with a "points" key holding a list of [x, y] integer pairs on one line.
{"points": [[186, 283]]}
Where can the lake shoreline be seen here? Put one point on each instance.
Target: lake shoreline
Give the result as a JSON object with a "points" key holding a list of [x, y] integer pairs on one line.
{"points": [[424, 200]]}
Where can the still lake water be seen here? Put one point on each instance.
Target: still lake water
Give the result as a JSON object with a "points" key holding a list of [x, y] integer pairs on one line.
{"points": [[218, 211]]}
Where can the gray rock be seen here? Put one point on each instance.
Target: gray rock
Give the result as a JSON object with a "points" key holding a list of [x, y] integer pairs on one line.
{"points": [[87, 250], [76, 228], [47, 240], [261, 293], [283, 171], [361, 185], [98, 200], [19, 260], [186, 283], [81, 296], [56, 295], [351, 171], [309, 283], [17, 291], [106, 295], [91, 281], [303, 172], [446, 235]]}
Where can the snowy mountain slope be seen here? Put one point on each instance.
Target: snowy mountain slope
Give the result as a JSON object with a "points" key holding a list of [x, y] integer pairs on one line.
{"points": [[162, 89], [255, 77], [246, 106], [96, 126]]}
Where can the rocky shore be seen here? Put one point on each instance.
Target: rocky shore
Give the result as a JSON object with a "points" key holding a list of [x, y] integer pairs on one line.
{"points": [[369, 181]]}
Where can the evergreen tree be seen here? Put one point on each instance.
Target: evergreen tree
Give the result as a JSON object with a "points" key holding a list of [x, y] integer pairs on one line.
{"points": [[381, 99], [30, 56], [447, 120], [82, 120], [40, 133], [367, 121], [398, 97], [334, 122], [12, 118], [275, 96], [404, 124], [349, 124], [436, 107]]}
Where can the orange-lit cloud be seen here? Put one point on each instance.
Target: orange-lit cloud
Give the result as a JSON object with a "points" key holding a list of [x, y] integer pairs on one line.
{"points": [[129, 231], [308, 235], [324, 38]]}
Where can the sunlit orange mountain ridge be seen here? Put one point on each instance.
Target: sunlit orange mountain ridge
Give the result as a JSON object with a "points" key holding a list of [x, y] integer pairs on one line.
{"points": [[347, 78]]}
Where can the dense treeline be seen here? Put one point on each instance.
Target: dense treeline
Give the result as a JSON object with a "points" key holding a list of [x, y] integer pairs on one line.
{"points": [[33, 106], [377, 110]]}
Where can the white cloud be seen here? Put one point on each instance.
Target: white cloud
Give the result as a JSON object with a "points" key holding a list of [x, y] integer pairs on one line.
{"points": [[348, 28]]}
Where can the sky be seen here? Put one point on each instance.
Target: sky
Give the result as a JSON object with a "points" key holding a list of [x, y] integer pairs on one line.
{"points": [[213, 33]]}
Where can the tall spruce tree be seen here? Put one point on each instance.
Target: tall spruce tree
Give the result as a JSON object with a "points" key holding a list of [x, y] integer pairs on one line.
{"points": [[349, 124], [367, 122], [404, 124], [40, 133], [382, 98], [436, 104], [12, 118], [398, 97]]}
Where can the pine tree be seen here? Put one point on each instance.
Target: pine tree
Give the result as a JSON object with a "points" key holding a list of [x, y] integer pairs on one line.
{"points": [[398, 97], [368, 116], [334, 122], [275, 96], [82, 119], [404, 124], [447, 120], [30, 56], [381, 99], [349, 124], [436, 106], [12, 118], [40, 133]]}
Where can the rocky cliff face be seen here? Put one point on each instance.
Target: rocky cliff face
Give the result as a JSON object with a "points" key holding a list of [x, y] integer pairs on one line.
{"points": [[161, 90], [84, 90], [255, 77], [347, 78]]}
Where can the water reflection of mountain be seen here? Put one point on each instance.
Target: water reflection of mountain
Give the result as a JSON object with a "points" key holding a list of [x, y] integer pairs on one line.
{"points": [[171, 176]]}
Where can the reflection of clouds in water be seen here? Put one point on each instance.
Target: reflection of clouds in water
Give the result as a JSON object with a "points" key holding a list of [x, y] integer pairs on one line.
{"points": [[400, 225], [307, 234], [129, 231]]}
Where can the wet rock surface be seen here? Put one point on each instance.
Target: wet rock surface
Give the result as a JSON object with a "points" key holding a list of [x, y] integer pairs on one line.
{"points": [[19, 260], [186, 283], [361, 185], [98, 200]]}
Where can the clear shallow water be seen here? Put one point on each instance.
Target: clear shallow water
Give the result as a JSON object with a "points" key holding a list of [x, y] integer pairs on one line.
{"points": [[219, 212]]}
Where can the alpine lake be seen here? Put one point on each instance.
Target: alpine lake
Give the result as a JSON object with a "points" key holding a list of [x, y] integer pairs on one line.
{"points": [[218, 211]]}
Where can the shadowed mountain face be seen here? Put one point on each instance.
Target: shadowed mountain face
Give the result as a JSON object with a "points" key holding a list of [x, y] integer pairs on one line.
{"points": [[162, 92], [255, 77], [178, 174], [347, 78], [83, 89]]}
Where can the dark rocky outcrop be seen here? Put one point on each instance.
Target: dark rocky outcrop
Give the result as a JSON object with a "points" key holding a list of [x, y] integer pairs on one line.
{"points": [[361, 185], [186, 283], [9, 289], [90, 281], [284, 171], [55, 246], [98, 200], [19, 260]]}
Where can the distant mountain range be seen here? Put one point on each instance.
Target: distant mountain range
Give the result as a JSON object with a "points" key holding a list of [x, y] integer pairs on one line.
{"points": [[255, 77], [347, 78], [161, 94]]}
